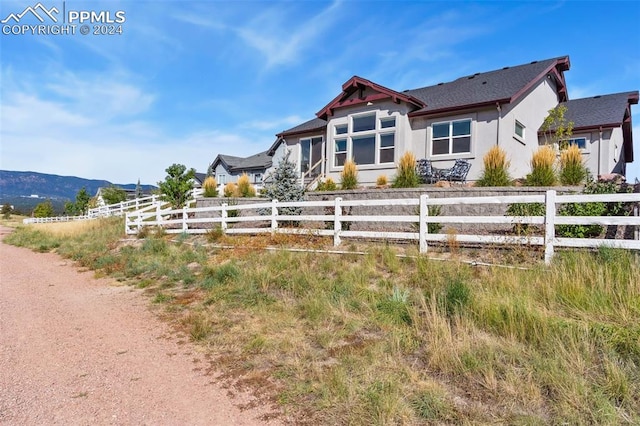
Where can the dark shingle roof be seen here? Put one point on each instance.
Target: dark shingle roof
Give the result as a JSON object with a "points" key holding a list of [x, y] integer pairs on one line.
{"points": [[260, 160], [483, 88], [605, 110], [307, 126]]}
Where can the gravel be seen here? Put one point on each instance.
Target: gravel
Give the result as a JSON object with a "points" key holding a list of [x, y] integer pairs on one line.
{"points": [[76, 350]]}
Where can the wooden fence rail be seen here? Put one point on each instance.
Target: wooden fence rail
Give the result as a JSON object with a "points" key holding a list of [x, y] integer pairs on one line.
{"points": [[270, 217]]}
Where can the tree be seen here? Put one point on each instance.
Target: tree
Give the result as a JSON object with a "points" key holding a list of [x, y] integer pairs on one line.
{"points": [[177, 186], [44, 209], [138, 190], [113, 195], [556, 128], [6, 211], [285, 185], [80, 206]]}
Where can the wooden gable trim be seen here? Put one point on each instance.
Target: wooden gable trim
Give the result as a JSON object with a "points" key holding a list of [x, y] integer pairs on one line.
{"points": [[556, 70], [359, 84]]}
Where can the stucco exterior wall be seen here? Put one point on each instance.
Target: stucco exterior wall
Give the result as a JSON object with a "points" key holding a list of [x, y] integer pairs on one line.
{"points": [[530, 110]]}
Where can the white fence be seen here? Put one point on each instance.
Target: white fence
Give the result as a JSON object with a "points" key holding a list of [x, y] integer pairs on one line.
{"points": [[118, 209], [266, 218]]}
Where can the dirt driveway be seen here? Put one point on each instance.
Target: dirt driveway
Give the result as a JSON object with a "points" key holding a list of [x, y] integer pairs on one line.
{"points": [[75, 350]]}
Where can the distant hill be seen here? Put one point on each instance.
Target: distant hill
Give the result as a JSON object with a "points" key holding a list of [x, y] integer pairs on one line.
{"points": [[24, 190]]}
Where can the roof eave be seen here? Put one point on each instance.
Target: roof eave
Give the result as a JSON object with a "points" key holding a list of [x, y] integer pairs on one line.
{"points": [[459, 108]]}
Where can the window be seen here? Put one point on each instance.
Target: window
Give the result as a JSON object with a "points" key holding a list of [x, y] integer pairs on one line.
{"points": [[452, 137], [519, 131], [341, 129], [364, 123], [368, 139], [581, 142], [257, 178], [341, 152], [222, 179]]}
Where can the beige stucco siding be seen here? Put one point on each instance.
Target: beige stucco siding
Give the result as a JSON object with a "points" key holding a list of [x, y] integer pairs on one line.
{"points": [[530, 110]]}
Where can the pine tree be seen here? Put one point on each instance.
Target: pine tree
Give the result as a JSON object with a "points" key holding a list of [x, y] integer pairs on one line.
{"points": [[285, 185], [138, 189]]}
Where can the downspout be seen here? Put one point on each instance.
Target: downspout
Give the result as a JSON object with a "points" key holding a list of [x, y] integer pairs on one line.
{"points": [[498, 125], [599, 152]]}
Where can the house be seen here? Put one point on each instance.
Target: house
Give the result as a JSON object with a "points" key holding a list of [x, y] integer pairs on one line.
{"points": [[227, 168], [461, 119], [602, 131]]}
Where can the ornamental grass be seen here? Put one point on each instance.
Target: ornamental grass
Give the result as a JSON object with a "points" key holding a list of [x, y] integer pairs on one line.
{"points": [[572, 169], [349, 175], [496, 167], [542, 167]]}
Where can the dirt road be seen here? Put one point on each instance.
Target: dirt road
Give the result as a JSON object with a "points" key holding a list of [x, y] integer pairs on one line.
{"points": [[75, 350]]}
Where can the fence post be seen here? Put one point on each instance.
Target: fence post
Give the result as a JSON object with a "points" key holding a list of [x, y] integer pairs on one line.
{"points": [[337, 224], [185, 216], [223, 215], [274, 216], [158, 215], [121, 208], [549, 225], [423, 226]]}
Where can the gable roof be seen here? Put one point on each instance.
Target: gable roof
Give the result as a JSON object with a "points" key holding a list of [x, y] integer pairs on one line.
{"points": [[355, 84], [488, 88], [261, 160], [604, 111], [600, 111]]}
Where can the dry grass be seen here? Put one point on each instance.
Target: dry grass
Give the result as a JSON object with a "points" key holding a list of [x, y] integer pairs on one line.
{"points": [[244, 188], [382, 181], [230, 190], [349, 175], [210, 186], [378, 339], [67, 229], [543, 157]]}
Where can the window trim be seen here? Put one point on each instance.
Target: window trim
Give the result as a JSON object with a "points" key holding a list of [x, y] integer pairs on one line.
{"points": [[377, 132], [451, 137], [516, 136]]}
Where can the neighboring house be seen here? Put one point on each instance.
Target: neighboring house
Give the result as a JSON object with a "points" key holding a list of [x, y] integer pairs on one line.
{"points": [[227, 168], [602, 130], [461, 119], [131, 194], [198, 179]]}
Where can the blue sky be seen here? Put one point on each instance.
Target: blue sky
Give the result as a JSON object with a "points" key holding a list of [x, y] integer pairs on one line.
{"points": [[187, 80]]}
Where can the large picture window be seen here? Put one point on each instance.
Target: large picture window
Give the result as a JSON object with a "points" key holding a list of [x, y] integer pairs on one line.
{"points": [[451, 137], [366, 138]]}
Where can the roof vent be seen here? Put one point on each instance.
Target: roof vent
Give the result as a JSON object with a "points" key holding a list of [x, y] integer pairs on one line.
{"points": [[484, 82], [471, 77], [505, 68], [440, 84], [534, 62], [596, 97]]}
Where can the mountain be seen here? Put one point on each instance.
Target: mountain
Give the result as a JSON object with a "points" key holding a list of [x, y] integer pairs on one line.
{"points": [[24, 190]]}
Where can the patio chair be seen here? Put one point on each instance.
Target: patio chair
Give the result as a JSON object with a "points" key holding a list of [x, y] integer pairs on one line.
{"points": [[426, 171], [458, 173]]}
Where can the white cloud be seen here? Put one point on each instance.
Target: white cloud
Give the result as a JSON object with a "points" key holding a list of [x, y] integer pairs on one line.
{"points": [[85, 132], [281, 38]]}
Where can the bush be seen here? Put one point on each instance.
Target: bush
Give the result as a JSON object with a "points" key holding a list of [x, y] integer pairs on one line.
{"points": [[284, 186], [328, 185], [349, 175], [592, 209], [245, 189], [230, 190], [542, 172], [433, 228], [382, 181], [572, 169], [496, 167], [524, 209], [210, 186], [407, 176], [44, 209], [177, 186]]}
